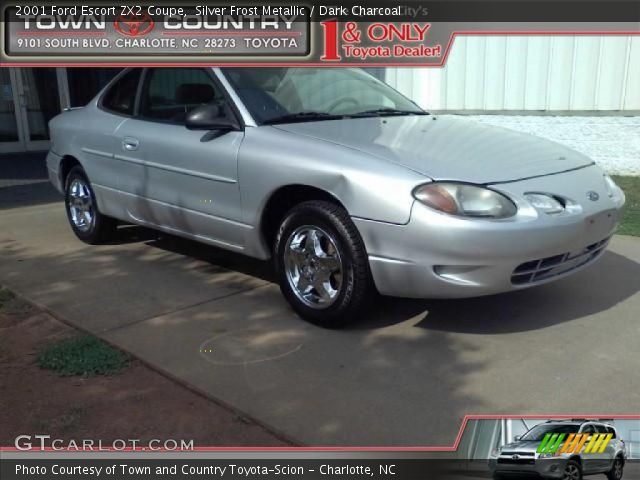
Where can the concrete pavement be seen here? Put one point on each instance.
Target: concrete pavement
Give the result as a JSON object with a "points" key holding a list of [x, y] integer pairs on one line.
{"points": [[405, 376]]}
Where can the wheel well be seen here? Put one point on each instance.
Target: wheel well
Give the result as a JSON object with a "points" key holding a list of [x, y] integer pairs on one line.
{"points": [[67, 163], [283, 200], [577, 459]]}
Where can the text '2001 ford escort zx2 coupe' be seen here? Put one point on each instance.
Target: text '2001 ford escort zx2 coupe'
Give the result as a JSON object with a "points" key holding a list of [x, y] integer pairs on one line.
{"points": [[346, 184]]}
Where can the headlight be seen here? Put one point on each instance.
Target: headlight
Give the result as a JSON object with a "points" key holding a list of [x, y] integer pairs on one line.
{"points": [[546, 455], [545, 203], [465, 200]]}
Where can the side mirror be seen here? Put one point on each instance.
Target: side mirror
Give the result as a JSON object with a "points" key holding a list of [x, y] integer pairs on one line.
{"points": [[211, 117], [517, 438]]}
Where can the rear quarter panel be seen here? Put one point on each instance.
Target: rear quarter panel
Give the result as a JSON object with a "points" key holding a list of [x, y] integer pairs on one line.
{"points": [[86, 134]]}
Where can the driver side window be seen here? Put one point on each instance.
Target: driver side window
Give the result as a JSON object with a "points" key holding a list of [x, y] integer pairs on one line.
{"points": [[170, 93]]}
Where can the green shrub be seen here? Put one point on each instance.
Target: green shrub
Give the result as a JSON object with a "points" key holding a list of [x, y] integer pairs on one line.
{"points": [[85, 355]]}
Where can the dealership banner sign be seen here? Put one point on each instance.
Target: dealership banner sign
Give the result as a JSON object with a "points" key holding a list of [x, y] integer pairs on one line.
{"points": [[364, 34]]}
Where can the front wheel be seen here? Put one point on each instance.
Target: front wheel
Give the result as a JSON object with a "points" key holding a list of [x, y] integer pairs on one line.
{"points": [[572, 471], [322, 265]]}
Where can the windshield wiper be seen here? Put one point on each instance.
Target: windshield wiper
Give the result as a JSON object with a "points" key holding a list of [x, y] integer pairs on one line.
{"points": [[308, 116], [379, 112]]}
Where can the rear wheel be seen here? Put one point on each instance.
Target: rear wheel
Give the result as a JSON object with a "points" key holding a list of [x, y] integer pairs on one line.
{"points": [[321, 263], [86, 221], [616, 469]]}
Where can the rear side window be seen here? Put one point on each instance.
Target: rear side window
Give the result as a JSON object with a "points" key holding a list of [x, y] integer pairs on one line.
{"points": [[612, 431], [121, 97]]}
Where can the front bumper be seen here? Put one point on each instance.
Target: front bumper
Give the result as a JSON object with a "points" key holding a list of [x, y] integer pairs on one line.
{"points": [[541, 468], [440, 256]]}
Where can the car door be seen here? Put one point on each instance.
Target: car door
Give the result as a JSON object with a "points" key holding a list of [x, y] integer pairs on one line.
{"points": [[605, 459], [185, 181], [589, 461], [98, 141]]}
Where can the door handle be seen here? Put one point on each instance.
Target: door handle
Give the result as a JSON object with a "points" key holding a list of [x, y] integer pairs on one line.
{"points": [[130, 144]]}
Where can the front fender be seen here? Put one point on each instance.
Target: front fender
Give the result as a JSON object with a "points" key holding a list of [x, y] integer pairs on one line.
{"points": [[367, 186]]}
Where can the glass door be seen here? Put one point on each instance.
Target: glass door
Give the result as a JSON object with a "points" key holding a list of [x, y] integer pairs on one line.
{"points": [[29, 98], [11, 137], [39, 95]]}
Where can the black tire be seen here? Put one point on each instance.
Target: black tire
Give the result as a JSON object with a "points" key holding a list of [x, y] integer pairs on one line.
{"points": [[497, 476], [572, 466], [351, 293], [100, 228], [615, 473]]}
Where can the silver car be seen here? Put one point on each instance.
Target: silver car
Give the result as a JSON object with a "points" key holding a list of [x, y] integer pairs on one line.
{"points": [[522, 457], [346, 184]]}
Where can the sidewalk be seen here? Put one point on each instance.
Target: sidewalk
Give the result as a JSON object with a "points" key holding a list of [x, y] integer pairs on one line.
{"points": [[406, 375]]}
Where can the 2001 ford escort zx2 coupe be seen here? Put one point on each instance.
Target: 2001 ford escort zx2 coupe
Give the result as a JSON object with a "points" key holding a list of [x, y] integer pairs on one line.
{"points": [[345, 183]]}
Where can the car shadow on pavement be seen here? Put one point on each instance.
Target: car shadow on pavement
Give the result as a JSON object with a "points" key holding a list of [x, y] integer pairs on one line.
{"points": [[613, 279], [214, 256], [610, 281]]}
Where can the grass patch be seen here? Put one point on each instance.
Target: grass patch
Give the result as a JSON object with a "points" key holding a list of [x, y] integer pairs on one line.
{"points": [[12, 305], [5, 297], [631, 221], [85, 355]]}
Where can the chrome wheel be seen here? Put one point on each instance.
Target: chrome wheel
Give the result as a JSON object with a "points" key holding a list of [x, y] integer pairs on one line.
{"points": [[572, 472], [80, 205], [313, 266]]}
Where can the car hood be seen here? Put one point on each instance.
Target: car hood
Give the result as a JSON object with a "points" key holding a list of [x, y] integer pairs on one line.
{"points": [[447, 147], [521, 446]]}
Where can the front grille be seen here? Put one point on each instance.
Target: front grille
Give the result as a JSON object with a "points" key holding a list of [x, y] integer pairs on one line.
{"points": [[549, 267], [522, 454], [518, 461]]}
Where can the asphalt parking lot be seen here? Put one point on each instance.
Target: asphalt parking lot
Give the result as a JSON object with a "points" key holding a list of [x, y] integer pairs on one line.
{"points": [[406, 375]]}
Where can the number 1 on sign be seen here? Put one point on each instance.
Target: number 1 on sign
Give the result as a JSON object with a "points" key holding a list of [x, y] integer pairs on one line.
{"points": [[330, 42]]}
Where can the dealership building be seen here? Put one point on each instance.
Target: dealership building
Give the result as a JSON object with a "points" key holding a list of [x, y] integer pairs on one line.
{"points": [[506, 74]]}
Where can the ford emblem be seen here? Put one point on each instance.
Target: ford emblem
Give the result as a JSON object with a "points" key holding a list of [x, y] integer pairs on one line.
{"points": [[593, 196]]}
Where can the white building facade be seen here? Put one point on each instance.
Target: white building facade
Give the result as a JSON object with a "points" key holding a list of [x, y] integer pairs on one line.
{"points": [[534, 73]]}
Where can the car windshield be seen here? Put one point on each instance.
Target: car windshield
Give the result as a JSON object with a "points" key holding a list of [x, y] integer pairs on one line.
{"points": [[537, 433], [285, 95]]}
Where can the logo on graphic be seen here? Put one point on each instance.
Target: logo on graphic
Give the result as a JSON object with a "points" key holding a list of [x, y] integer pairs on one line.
{"points": [[574, 443], [133, 25]]}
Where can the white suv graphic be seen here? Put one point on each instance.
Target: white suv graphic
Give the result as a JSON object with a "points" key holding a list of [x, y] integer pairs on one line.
{"points": [[523, 457]]}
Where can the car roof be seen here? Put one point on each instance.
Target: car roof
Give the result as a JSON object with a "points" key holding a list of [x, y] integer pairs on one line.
{"points": [[578, 422]]}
